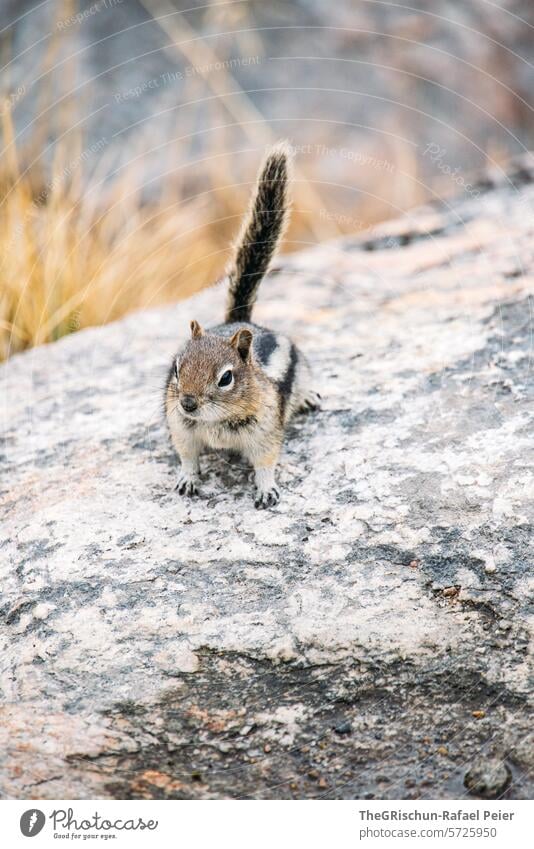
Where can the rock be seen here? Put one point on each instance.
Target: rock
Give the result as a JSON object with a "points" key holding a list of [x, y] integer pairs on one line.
{"points": [[343, 728], [488, 779], [140, 633]]}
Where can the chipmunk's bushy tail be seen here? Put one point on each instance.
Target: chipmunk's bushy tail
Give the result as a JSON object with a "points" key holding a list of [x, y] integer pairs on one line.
{"points": [[260, 234]]}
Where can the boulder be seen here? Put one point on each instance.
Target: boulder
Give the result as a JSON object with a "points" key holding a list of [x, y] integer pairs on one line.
{"points": [[366, 638]]}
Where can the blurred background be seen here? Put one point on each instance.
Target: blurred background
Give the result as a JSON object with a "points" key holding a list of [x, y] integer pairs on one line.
{"points": [[132, 132]]}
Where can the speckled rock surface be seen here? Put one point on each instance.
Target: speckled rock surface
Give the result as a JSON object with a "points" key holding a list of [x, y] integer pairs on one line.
{"points": [[366, 638]]}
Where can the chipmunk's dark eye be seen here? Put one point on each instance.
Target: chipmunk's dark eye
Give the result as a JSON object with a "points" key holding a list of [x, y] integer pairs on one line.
{"points": [[226, 378]]}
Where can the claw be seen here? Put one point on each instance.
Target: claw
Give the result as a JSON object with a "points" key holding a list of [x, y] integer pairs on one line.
{"points": [[267, 498], [186, 486], [311, 402]]}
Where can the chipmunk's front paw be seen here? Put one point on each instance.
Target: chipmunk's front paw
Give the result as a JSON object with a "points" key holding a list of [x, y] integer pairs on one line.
{"points": [[187, 485], [266, 498]]}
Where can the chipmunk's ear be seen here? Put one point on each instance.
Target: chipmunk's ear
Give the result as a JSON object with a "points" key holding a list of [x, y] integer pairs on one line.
{"points": [[196, 330], [241, 341]]}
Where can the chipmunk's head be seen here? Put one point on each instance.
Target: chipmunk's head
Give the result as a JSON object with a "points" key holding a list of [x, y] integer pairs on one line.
{"points": [[213, 376]]}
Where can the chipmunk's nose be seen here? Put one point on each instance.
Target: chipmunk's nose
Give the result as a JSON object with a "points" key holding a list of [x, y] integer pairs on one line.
{"points": [[189, 403]]}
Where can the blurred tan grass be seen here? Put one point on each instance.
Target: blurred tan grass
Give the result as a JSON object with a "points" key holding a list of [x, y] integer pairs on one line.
{"points": [[74, 255], [78, 251]]}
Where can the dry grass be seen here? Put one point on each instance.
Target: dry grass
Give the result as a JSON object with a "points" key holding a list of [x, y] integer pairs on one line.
{"points": [[79, 251], [76, 252], [73, 258]]}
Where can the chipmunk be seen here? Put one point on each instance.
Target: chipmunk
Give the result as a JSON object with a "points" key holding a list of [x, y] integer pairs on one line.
{"points": [[236, 385]]}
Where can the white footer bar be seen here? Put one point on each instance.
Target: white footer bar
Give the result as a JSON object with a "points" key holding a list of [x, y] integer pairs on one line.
{"points": [[266, 824]]}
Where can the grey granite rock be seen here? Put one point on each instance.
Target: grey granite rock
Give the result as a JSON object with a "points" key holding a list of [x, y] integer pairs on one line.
{"points": [[366, 638]]}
